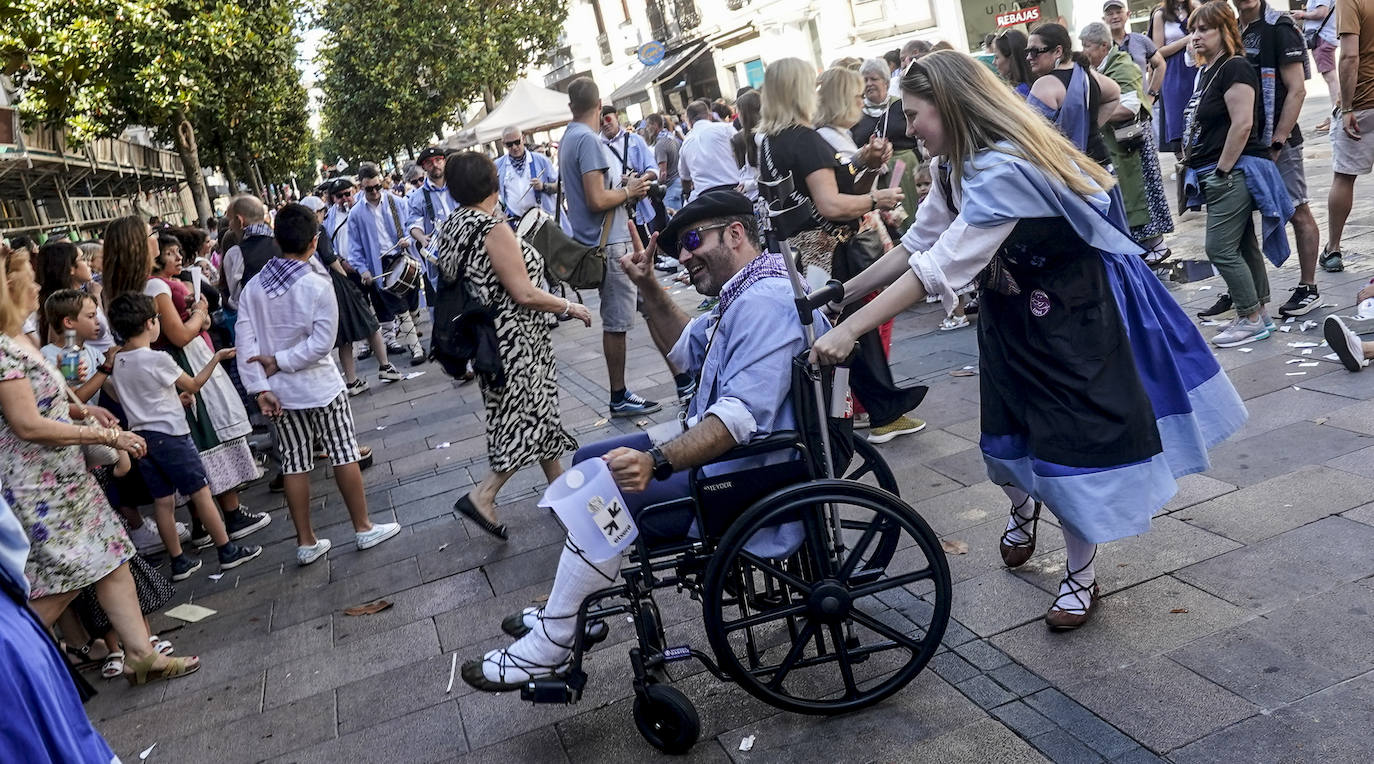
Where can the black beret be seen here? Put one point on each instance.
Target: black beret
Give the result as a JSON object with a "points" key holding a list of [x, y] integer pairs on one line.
{"points": [[341, 184], [430, 152], [716, 203]]}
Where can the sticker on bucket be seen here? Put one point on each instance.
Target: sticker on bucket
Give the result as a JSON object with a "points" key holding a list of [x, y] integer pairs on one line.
{"points": [[589, 504]]}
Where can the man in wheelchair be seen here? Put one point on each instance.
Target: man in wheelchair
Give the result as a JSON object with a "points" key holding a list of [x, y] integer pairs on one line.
{"points": [[742, 353]]}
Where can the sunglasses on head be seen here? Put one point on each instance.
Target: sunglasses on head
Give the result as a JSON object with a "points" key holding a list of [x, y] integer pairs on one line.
{"points": [[691, 238]]}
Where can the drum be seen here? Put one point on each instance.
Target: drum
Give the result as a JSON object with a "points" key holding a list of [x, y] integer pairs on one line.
{"points": [[530, 222], [402, 276]]}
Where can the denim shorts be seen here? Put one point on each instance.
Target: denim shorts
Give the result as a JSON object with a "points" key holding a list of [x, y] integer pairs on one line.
{"points": [[172, 465], [1290, 167], [619, 296]]}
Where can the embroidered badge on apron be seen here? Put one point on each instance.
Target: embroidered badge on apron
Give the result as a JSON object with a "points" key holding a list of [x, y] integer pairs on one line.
{"points": [[1039, 303]]}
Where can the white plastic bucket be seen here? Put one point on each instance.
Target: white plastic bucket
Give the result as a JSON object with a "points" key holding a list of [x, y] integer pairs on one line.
{"points": [[588, 503]]}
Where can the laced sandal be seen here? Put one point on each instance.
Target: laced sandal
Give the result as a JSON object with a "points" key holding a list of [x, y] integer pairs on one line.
{"points": [[512, 672], [1016, 553], [160, 645], [519, 624], [142, 671], [113, 666], [1059, 619]]}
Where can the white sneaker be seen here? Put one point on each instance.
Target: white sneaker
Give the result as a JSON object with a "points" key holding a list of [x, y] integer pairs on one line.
{"points": [[1240, 332], [146, 539], [308, 554], [183, 533], [380, 532], [1346, 344]]}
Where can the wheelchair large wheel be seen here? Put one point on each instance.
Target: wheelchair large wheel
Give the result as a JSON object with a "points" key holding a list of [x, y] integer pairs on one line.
{"points": [[811, 630], [868, 461]]}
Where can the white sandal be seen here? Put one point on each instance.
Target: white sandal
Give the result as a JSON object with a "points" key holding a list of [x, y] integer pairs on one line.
{"points": [[952, 322], [114, 665], [160, 645]]}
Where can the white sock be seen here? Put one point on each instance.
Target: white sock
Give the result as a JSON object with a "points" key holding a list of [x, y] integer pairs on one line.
{"points": [[1080, 566], [576, 578], [1023, 509], [405, 332]]}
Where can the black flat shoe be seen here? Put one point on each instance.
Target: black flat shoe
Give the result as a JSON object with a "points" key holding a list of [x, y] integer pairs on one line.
{"points": [[466, 508]]}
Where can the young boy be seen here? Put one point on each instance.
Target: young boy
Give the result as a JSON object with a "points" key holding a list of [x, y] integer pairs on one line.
{"points": [[147, 382], [288, 319], [74, 310]]}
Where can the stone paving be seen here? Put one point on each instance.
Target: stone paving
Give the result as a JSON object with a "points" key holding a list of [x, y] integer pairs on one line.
{"points": [[1238, 629]]}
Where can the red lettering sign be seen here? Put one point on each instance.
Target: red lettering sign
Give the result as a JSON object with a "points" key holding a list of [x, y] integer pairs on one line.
{"points": [[1015, 18]]}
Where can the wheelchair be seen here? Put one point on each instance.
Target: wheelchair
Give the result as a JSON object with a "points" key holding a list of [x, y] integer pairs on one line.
{"points": [[795, 564]]}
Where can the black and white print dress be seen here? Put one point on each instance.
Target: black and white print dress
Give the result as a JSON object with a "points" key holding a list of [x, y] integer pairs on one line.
{"points": [[524, 425]]}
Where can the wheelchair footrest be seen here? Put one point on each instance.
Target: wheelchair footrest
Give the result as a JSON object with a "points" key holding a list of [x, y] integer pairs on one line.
{"points": [[560, 690]]}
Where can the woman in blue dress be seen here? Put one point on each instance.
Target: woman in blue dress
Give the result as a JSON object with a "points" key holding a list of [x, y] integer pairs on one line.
{"points": [[1097, 391], [1169, 31]]}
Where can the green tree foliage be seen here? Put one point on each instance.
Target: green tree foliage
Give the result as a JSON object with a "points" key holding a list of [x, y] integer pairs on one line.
{"points": [[99, 66], [396, 71]]}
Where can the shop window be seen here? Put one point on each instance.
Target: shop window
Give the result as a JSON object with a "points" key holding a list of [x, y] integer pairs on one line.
{"points": [[875, 18]]}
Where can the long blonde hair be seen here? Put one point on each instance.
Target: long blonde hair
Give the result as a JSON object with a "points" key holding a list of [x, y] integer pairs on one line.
{"points": [[12, 312], [836, 105], [978, 111], [789, 95]]}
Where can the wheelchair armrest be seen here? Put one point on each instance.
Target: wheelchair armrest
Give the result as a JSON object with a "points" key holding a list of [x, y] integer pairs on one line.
{"points": [[778, 441]]}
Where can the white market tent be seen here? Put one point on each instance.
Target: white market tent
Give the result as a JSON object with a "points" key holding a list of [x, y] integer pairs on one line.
{"points": [[527, 106]]}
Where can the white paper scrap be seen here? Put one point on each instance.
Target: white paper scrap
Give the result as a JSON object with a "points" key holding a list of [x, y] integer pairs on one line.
{"points": [[1313, 363], [1289, 320], [413, 375], [1308, 351], [1203, 288], [1296, 374], [1305, 325], [1285, 329], [445, 444], [381, 427], [1293, 361], [1302, 344], [747, 744], [1331, 357], [452, 671], [190, 613], [144, 756], [216, 576], [1246, 350]]}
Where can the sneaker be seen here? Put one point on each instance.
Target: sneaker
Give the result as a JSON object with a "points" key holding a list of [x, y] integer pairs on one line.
{"points": [[357, 387], [380, 532], [232, 555], [240, 523], [1222, 308], [394, 349], [1240, 332], [308, 554], [1347, 344], [861, 421], [950, 323], [633, 405], [417, 356], [365, 353], [1268, 322], [183, 567], [1331, 261], [1302, 302], [389, 373], [666, 264], [183, 533], [903, 425], [686, 391], [200, 538], [146, 539]]}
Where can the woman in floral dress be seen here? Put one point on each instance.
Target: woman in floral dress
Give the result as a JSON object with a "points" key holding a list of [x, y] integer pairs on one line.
{"points": [[75, 537]]}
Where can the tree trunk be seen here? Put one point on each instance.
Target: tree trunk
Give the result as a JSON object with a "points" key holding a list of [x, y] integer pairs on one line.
{"points": [[228, 169], [190, 163], [252, 177], [488, 99]]}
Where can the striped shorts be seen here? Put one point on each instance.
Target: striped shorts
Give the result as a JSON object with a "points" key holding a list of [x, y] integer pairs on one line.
{"points": [[331, 426]]}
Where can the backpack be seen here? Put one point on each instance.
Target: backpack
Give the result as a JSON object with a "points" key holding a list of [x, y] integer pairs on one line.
{"points": [[464, 330]]}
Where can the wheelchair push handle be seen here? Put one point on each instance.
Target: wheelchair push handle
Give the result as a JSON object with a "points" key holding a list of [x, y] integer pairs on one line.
{"points": [[833, 291]]}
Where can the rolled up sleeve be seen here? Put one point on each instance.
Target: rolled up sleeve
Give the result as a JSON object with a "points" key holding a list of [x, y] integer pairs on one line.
{"points": [[956, 258]]}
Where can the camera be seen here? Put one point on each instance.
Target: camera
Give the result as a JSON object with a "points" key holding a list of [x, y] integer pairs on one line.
{"points": [[655, 190]]}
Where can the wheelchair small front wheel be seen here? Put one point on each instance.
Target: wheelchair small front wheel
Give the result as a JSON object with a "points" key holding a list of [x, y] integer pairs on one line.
{"points": [[667, 719]]}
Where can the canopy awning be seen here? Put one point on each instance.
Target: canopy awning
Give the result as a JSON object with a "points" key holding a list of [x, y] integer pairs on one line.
{"points": [[527, 106], [635, 89]]}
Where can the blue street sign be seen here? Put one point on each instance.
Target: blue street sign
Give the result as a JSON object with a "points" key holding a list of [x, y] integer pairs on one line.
{"points": [[651, 52]]}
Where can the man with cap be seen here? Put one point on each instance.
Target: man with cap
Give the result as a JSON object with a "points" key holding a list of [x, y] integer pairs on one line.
{"points": [[742, 351], [527, 178], [1142, 49], [336, 220], [427, 206]]}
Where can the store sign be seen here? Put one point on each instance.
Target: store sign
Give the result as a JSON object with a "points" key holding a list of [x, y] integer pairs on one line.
{"points": [[1015, 18], [651, 52]]}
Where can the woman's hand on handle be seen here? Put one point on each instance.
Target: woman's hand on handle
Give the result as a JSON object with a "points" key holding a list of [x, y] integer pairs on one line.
{"points": [[833, 347]]}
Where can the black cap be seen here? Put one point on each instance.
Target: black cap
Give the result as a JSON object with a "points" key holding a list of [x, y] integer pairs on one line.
{"points": [[717, 203], [428, 153], [340, 184]]}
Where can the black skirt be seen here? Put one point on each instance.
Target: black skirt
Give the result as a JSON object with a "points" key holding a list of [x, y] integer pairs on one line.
{"points": [[154, 592], [356, 321]]}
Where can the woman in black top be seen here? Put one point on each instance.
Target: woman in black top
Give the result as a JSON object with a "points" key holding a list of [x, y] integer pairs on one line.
{"points": [[1059, 90], [1221, 142], [836, 194]]}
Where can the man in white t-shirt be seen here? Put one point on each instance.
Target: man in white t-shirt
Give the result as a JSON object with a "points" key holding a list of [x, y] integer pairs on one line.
{"points": [[706, 160]]}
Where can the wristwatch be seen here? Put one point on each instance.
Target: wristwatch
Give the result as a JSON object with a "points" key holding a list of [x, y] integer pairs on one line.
{"points": [[105, 369], [1276, 146], [663, 469]]}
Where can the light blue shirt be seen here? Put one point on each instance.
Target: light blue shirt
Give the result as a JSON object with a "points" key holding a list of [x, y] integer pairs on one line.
{"points": [[579, 153], [14, 544], [640, 160], [516, 195], [367, 228]]}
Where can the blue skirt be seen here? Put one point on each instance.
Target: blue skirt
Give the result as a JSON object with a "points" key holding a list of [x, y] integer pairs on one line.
{"points": [[1194, 407], [43, 720]]}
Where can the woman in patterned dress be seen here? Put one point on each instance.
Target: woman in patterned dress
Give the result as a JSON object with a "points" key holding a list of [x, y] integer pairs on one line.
{"points": [[523, 422], [76, 538]]}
